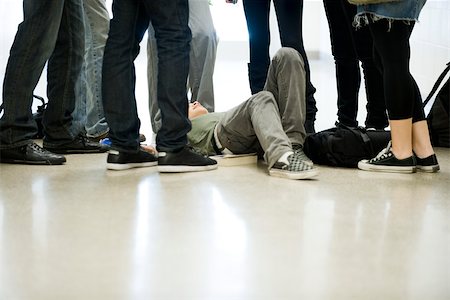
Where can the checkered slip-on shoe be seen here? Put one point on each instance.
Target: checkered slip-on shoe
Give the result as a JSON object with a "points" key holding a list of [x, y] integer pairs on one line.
{"points": [[297, 168]]}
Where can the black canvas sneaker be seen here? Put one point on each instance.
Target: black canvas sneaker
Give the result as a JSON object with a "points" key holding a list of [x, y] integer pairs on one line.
{"points": [[386, 161], [296, 168], [184, 160], [428, 164], [31, 154], [123, 160], [79, 145]]}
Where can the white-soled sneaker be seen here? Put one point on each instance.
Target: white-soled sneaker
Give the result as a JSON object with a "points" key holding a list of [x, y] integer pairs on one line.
{"points": [[386, 161], [296, 168], [124, 160]]}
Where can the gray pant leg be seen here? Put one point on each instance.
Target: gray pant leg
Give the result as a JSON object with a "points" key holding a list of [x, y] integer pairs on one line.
{"points": [[203, 53], [286, 80], [255, 124], [202, 60]]}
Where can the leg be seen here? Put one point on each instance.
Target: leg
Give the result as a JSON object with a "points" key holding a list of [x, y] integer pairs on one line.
{"points": [[402, 97], [253, 125], [173, 37], [363, 43], [257, 16], [347, 65], [129, 23], [152, 78], [203, 53], [97, 24], [63, 71], [286, 80], [290, 22], [34, 42]]}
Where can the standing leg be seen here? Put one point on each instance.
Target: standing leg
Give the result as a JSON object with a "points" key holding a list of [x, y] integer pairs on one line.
{"points": [[34, 43], [64, 68], [257, 16], [348, 76], [127, 27], [203, 53], [97, 23]]}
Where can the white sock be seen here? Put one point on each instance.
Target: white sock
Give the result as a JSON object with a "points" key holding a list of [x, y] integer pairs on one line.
{"points": [[283, 158]]}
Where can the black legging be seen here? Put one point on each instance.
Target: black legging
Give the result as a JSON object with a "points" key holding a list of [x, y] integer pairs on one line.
{"points": [[289, 15], [392, 51], [350, 46]]}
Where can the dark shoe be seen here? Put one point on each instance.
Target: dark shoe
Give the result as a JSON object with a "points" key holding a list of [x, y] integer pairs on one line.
{"points": [[80, 144], [297, 168], [184, 160], [428, 164], [31, 154], [122, 160], [386, 161]]}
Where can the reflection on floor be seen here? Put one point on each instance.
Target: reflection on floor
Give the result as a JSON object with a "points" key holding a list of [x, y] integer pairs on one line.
{"points": [[81, 232]]}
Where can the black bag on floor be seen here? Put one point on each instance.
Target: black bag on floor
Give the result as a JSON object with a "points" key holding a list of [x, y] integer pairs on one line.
{"points": [[438, 119], [344, 146], [37, 116]]}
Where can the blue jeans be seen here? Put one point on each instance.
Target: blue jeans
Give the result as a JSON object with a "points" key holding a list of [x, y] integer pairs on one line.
{"points": [[130, 21], [51, 31], [88, 115]]}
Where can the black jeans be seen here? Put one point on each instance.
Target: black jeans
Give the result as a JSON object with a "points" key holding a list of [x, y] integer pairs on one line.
{"points": [[130, 21], [349, 47], [51, 31], [289, 15], [392, 52]]}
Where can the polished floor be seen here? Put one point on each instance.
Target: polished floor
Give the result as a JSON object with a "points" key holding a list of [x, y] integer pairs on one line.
{"points": [[79, 231]]}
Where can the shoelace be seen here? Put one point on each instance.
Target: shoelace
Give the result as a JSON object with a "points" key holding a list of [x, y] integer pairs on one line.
{"points": [[37, 148], [383, 153]]}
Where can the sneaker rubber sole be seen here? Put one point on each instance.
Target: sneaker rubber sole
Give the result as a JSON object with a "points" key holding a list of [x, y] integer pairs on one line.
{"points": [[307, 174], [185, 168], [127, 166], [428, 169], [366, 166]]}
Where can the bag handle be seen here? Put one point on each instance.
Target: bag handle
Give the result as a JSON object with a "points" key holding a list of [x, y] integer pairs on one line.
{"points": [[34, 96], [436, 85]]}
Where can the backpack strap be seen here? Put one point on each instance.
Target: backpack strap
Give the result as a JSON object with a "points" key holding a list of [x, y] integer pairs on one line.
{"points": [[436, 85]]}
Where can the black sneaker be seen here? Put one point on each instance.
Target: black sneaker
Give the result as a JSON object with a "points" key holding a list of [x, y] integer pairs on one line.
{"points": [[184, 160], [31, 154], [123, 160], [297, 168], [386, 161], [79, 145], [428, 164]]}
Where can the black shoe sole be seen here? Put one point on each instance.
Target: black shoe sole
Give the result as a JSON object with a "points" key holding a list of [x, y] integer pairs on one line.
{"points": [[75, 151], [31, 162]]}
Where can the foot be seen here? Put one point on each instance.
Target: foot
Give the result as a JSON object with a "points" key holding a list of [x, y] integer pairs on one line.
{"points": [[295, 168], [386, 161], [428, 164], [31, 154], [80, 144], [123, 160], [299, 150], [184, 160]]}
